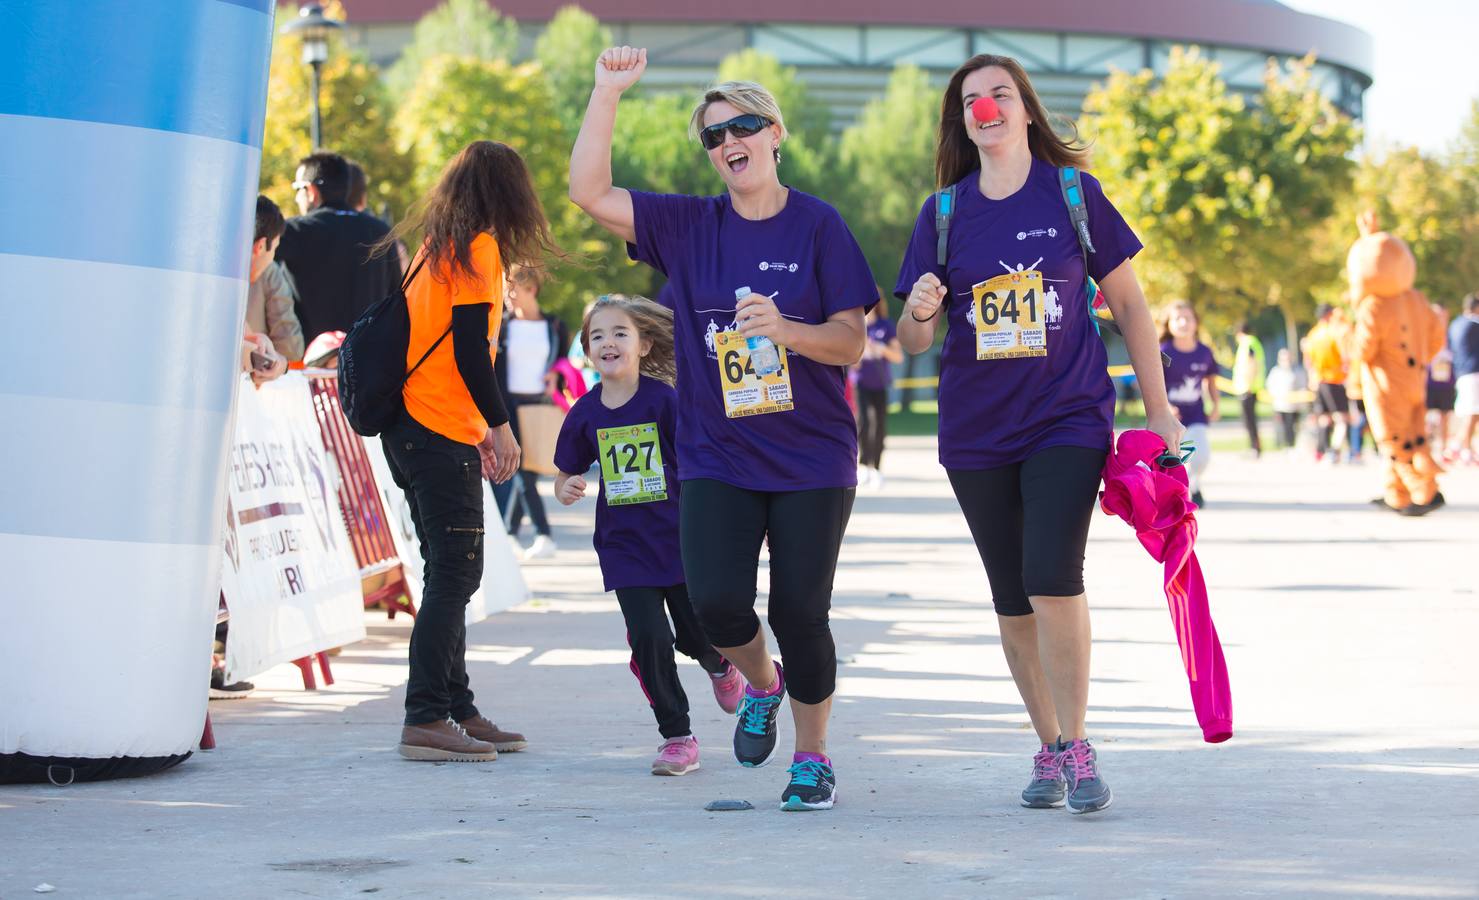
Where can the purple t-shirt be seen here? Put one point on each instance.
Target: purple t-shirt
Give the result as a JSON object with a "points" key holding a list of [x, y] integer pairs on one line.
{"points": [[637, 543], [1184, 379], [998, 412], [804, 256], [878, 374]]}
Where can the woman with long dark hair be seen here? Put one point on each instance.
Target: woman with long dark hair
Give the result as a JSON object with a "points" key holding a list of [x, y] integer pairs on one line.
{"points": [[481, 218], [767, 287], [1026, 403]]}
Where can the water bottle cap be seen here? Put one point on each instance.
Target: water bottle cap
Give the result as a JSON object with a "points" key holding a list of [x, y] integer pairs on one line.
{"points": [[742, 293]]}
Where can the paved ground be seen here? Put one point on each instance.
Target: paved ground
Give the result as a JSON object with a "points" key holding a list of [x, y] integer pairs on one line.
{"points": [[1355, 770]]}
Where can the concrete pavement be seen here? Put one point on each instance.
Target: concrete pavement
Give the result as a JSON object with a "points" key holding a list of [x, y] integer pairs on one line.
{"points": [[1355, 769]]}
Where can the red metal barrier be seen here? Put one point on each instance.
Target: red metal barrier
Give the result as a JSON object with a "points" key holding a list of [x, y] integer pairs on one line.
{"points": [[359, 497]]}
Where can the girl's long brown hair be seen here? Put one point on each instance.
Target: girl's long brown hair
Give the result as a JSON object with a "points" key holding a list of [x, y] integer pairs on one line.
{"points": [[654, 324], [1165, 318], [485, 188], [955, 155]]}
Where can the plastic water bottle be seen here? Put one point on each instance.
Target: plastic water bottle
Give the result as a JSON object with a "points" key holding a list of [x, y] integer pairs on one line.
{"points": [[764, 358]]}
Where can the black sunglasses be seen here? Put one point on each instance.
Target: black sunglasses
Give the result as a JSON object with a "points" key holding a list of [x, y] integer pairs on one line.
{"points": [[740, 126], [1169, 460]]}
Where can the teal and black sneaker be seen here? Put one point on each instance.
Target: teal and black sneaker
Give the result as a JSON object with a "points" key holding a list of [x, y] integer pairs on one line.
{"points": [[1087, 790], [813, 786], [1048, 786], [755, 733]]}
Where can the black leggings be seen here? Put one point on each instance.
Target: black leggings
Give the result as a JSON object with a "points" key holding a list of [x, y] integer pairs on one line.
{"points": [[872, 426], [1249, 402], [652, 645], [721, 529], [1030, 521]]}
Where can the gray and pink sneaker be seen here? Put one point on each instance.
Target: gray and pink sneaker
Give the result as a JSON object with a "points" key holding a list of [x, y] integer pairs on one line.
{"points": [[1087, 790], [728, 686], [676, 756]]}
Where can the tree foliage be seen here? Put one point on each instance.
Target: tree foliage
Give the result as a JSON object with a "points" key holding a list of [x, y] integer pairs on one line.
{"points": [[890, 154], [356, 120], [567, 52], [1229, 197], [466, 28]]}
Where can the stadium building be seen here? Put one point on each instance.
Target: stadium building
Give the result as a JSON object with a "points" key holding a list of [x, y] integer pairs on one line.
{"points": [[846, 48]]}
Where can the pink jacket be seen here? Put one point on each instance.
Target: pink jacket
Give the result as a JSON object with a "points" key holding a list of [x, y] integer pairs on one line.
{"points": [[1154, 500]]}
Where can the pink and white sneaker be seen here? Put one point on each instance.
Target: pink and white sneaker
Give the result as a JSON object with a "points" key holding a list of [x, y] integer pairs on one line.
{"points": [[728, 687], [676, 756]]}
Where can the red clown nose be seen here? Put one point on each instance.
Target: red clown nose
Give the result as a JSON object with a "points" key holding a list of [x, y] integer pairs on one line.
{"points": [[985, 109]]}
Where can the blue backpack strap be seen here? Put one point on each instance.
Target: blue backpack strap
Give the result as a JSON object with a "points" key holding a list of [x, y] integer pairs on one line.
{"points": [[1078, 215], [944, 209]]}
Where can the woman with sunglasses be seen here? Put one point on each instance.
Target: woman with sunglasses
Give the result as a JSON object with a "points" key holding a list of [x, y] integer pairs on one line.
{"points": [[768, 289], [1026, 403]]}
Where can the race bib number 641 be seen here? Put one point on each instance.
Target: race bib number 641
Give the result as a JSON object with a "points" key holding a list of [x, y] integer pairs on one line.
{"points": [[1010, 317], [745, 392]]}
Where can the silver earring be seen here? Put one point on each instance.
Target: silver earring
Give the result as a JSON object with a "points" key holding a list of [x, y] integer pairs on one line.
{"points": [[777, 151]]}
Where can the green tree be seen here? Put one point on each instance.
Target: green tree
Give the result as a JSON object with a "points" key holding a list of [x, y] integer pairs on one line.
{"points": [[356, 120], [468, 28], [455, 101], [892, 177], [1230, 199], [567, 51]]}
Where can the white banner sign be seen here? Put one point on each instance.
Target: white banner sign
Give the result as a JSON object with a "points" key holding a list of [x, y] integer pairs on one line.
{"points": [[290, 577]]}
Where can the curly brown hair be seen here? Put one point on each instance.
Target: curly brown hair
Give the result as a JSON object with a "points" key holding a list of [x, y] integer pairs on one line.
{"points": [[654, 324], [486, 188]]}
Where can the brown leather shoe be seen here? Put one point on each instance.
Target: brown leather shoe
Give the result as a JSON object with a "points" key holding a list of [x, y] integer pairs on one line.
{"points": [[444, 741], [506, 741]]}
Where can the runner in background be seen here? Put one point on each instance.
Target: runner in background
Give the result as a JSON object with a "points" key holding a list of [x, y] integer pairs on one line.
{"points": [[768, 289], [1248, 379], [1327, 372], [1026, 404], [627, 424], [1191, 384], [1285, 381], [875, 373]]}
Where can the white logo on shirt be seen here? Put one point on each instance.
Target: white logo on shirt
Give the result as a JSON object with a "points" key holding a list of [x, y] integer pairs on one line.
{"points": [[1037, 232], [780, 266]]}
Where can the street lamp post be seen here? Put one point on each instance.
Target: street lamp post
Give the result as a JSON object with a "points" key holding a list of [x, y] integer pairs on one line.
{"points": [[314, 28]]}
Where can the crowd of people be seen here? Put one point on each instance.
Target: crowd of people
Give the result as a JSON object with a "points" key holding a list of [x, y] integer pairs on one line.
{"points": [[734, 417]]}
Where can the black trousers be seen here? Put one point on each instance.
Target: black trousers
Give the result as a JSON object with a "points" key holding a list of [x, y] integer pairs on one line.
{"points": [[646, 611], [443, 482], [1030, 521], [1250, 420], [1288, 428], [527, 483], [721, 528], [872, 426]]}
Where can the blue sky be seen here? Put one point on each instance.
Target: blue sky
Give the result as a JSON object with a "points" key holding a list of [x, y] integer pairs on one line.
{"points": [[1425, 74]]}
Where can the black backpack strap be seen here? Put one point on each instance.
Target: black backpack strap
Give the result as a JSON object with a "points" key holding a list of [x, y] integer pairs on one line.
{"points": [[944, 209], [437, 343]]}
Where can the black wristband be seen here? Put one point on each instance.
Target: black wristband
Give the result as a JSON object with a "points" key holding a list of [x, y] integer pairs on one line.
{"points": [[930, 319]]}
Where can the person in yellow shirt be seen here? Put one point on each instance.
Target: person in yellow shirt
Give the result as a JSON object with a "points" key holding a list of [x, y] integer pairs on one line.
{"points": [[1327, 368], [482, 217]]}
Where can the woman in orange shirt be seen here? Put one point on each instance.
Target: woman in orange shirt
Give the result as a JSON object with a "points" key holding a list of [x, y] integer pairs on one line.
{"points": [[481, 218]]}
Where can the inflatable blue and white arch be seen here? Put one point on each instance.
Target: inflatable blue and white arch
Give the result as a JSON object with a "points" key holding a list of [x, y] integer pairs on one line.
{"points": [[130, 137]]}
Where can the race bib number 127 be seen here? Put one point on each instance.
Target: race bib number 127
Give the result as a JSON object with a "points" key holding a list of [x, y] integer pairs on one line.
{"points": [[1009, 316], [631, 464]]}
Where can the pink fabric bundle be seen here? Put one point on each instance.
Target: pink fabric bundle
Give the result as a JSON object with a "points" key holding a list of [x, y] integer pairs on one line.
{"points": [[1155, 501]]}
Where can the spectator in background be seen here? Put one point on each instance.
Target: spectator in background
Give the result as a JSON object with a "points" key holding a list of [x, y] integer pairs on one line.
{"points": [[358, 194], [1327, 371], [1248, 369], [270, 296], [326, 249], [875, 374], [530, 343], [1463, 345], [1284, 383], [1441, 394]]}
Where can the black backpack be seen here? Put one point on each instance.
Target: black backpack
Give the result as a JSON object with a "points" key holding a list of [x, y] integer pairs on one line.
{"points": [[372, 362]]}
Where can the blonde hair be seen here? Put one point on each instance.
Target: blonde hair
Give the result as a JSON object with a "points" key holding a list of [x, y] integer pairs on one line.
{"points": [[654, 324], [745, 96]]}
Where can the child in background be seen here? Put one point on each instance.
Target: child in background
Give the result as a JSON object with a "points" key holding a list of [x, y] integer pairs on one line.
{"points": [[1191, 383], [1285, 381], [627, 424]]}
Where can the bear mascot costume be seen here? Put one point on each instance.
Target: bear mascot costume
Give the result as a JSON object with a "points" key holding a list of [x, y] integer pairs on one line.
{"points": [[1397, 335]]}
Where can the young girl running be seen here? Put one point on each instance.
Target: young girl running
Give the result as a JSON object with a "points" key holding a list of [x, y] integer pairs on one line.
{"points": [[627, 424], [1191, 385]]}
